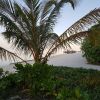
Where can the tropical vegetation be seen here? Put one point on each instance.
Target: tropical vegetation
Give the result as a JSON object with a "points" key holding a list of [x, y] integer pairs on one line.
{"points": [[91, 45], [44, 82], [31, 27]]}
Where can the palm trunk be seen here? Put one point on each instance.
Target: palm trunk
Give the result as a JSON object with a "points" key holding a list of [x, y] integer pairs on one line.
{"points": [[44, 60], [38, 59]]}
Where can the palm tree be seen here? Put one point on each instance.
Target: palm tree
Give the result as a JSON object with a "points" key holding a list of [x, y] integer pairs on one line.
{"points": [[30, 27]]}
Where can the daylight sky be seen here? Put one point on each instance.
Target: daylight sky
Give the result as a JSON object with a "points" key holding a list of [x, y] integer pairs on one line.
{"points": [[70, 16], [67, 18]]}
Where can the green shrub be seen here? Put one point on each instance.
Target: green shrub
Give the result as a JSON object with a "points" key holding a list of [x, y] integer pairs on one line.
{"points": [[1, 72], [91, 45], [36, 78], [8, 86], [73, 94], [92, 53], [45, 82]]}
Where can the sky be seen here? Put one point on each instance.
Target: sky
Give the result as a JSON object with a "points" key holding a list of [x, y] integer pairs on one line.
{"points": [[66, 19], [70, 16]]}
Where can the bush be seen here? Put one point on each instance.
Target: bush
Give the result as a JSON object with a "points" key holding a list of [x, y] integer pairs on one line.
{"points": [[36, 79], [1, 72], [8, 86], [29, 81], [92, 53], [45, 82], [91, 45]]}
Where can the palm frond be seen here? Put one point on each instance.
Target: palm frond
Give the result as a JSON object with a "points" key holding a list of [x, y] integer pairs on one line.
{"points": [[49, 40], [76, 31], [18, 41], [55, 12], [83, 24], [7, 55], [75, 38], [16, 30]]}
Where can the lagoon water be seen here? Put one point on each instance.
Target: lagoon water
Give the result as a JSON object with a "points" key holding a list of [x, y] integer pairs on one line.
{"points": [[74, 60]]}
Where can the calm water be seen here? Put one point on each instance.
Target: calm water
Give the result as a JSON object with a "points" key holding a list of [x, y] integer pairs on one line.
{"points": [[6, 66]]}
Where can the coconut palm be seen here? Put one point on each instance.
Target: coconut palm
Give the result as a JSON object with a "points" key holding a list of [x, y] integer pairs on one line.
{"points": [[30, 27]]}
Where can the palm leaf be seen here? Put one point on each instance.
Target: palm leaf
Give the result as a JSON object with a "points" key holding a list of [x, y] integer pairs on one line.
{"points": [[52, 19], [75, 38], [83, 24], [74, 33], [7, 55]]}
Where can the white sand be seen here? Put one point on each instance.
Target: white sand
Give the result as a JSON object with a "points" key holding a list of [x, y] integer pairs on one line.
{"points": [[74, 60]]}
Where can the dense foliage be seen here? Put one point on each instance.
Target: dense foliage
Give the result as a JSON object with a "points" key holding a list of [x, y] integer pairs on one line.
{"points": [[1, 72], [92, 53], [91, 45], [44, 82]]}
